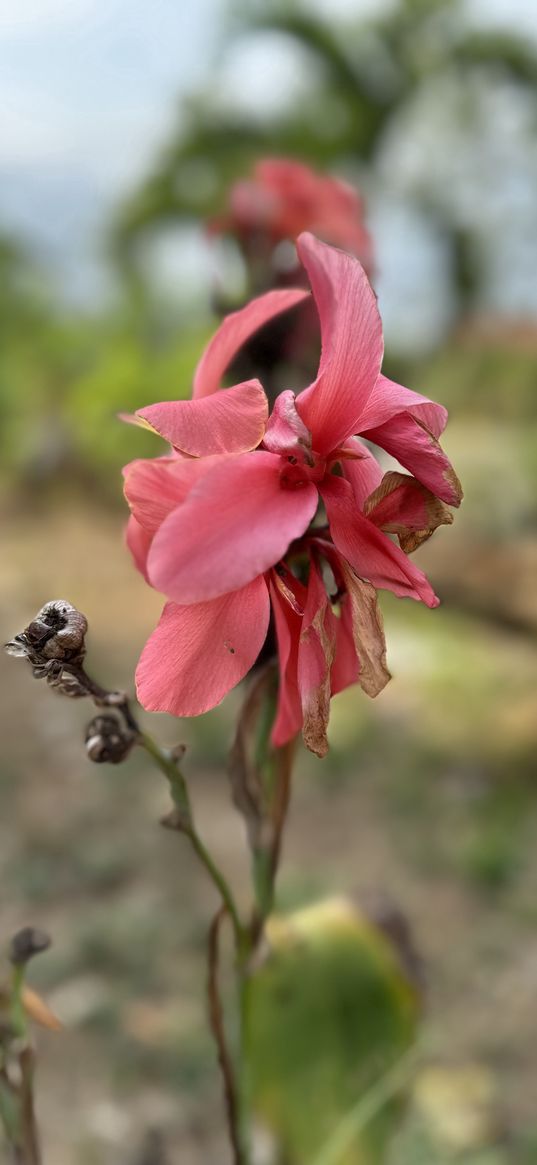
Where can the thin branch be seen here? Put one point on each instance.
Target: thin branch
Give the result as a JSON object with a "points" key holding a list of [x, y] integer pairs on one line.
{"points": [[216, 1019]]}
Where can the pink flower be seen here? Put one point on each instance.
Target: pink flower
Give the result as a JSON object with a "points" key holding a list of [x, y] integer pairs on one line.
{"points": [[284, 197], [223, 526]]}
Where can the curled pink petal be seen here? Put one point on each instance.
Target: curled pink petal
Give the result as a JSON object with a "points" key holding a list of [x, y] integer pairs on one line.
{"points": [[345, 667], [418, 450], [235, 524], [352, 345], [288, 624], [388, 399], [226, 422], [138, 541], [370, 552], [198, 653], [286, 430], [233, 333], [154, 488], [361, 469], [315, 657]]}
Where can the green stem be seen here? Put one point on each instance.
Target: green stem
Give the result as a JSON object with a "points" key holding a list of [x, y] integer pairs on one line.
{"points": [[17, 1013], [166, 763], [181, 800], [222, 886]]}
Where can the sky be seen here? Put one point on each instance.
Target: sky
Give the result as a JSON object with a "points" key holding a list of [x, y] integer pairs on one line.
{"points": [[89, 90]]}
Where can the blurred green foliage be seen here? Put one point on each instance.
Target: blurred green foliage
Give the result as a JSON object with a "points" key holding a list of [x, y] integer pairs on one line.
{"points": [[330, 1013], [64, 379]]}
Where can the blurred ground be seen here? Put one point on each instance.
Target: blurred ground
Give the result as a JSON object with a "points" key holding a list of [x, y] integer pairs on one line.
{"points": [[428, 796]]}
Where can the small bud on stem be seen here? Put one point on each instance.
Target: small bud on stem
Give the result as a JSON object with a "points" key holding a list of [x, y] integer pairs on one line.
{"points": [[27, 943], [107, 739]]}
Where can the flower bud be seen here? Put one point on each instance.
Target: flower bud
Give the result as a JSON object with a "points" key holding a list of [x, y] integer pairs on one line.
{"points": [[107, 740], [26, 943]]}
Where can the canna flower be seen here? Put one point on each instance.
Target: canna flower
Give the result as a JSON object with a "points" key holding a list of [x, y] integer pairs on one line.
{"points": [[228, 526], [284, 197]]}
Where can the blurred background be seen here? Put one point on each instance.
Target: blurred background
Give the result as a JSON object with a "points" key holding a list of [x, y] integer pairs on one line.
{"points": [[123, 128]]}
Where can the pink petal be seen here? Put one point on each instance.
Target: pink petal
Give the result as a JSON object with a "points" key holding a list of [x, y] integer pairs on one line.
{"points": [[235, 524], [418, 450], [315, 656], [198, 653], [361, 469], [346, 667], [138, 541], [371, 554], [155, 487], [389, 398], [352, 349], [227, 422], [288, 625], [233, 333], [285, 430]]}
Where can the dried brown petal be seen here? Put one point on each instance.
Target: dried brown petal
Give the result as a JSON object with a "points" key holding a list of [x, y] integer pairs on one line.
{"points": [[368, 631], [321, 640], [403, 506]]}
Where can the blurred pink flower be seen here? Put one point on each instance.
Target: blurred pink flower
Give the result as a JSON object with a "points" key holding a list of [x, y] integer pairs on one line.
{"points": [[217, 525], [284, 197]]}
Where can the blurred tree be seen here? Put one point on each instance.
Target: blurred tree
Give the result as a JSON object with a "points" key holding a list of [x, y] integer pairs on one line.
{"points": [[363, 80]]}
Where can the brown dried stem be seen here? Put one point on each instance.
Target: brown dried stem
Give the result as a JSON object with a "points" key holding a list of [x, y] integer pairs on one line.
{"points": [[216, 1020]]}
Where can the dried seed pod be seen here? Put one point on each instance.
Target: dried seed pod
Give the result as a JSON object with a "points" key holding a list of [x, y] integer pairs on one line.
{"points": [[58, 631], [107, 740], [54, 645], [55, 636]]}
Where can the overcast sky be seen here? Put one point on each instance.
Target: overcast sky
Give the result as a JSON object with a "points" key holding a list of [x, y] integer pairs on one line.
{"points": [[89, 90]]}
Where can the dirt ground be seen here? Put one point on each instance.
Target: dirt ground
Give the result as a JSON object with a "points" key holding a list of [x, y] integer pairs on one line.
{"points": [[427, 798]]}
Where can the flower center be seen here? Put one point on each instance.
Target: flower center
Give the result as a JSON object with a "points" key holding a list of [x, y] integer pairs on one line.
{"points": [[300, 469]]}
